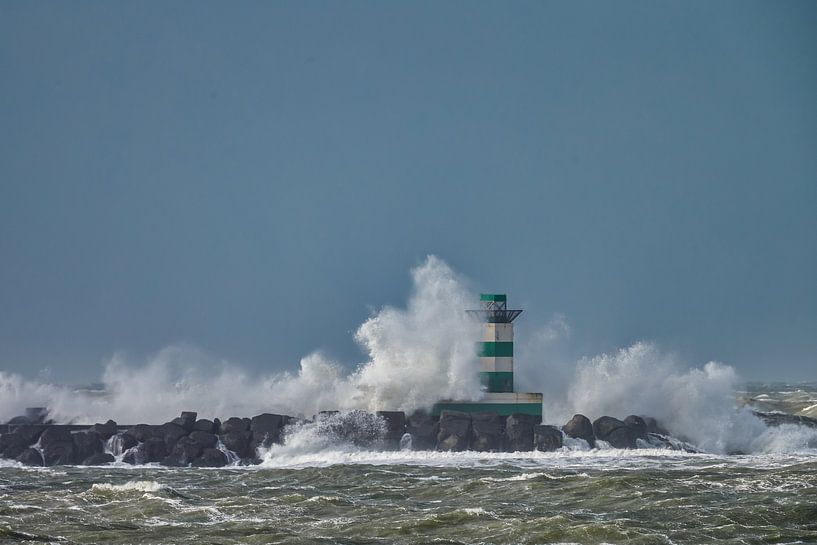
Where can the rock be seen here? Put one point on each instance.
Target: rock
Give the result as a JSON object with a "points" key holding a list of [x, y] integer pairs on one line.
{"points": [[106, 430], [86, 444], [205, 425], [206, 440], [233, 424], [519, 432], [184, 452], [266, 429], [395, 428], [130, 456], [98, 459], [143, 432], [487, 432], [580, 427], [170, 433], [30, 457], [13, 444], [30, 433], [20, 421], [154, 450], [653, 426], [57, 446], [127, 441], [211, 457], [614, 431], [423, 429], [547, 438], [238, 442], [455, 431], [637, 425], [186, 421]]}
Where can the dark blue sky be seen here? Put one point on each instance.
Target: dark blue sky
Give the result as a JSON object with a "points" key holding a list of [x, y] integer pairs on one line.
{"points": [[255, 178]]}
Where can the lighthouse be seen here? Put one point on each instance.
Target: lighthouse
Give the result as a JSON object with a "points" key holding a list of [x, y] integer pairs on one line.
{"points": [[495, 352], [496, 349]]}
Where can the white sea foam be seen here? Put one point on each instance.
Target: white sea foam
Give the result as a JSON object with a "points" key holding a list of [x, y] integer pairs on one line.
{"points": [[130, 486]]}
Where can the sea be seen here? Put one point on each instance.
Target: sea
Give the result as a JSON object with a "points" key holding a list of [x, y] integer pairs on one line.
{"points": [[345, 495]]}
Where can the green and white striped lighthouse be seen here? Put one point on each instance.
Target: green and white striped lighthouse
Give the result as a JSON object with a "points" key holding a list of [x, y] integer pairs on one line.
{"points": [[496, 348], [496, 365]]}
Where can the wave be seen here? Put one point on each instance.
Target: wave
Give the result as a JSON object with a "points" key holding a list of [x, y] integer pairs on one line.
{"points": [[411, 364], [415, 356]]}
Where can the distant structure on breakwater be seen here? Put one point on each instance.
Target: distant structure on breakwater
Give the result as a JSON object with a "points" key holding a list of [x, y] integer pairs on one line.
{"points": [[496, 365]]}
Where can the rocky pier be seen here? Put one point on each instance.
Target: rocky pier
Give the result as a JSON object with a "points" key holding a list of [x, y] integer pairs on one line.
{"points": [[191, 441]]}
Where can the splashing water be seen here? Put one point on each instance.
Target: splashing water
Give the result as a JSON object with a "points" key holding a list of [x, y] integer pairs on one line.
{"points": [[411, 365]]}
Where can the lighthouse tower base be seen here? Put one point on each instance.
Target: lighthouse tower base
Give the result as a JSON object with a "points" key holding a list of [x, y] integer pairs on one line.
{"points": [[501, 403]]}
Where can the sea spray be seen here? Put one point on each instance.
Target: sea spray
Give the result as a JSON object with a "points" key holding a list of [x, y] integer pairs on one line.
{"points": [[416, 355], [347, 431]]}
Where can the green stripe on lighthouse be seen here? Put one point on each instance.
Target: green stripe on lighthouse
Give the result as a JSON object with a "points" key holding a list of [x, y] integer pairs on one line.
{"points": [[497, 381], [498, 349]]}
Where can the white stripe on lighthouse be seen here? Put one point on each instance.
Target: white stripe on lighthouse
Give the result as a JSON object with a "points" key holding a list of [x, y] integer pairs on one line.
{"points": [[497, 333], [493, 365]]}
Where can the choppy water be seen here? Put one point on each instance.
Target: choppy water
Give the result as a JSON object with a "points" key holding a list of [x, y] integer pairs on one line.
{"points": [[579, 497], [348, 496]]}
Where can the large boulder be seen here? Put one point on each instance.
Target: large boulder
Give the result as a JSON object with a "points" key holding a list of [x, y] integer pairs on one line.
{"points": [[487, 431], [170, 433], [31, 433], [143, 432], [547, 438], [150, 451], [57, 446], [13, 444], [266, 429], [234, 424], [206, 440], [653, 426], [395, 422], [205, 425], [86, 444], [125, 441], [106, 430], [184, 452], [239, 442], [614, 431], [423, 429], [30, 457], [519, 432], [637, 425], [455, 431], [154, 450], [187, 420], [211, 457], [580, 427], [98, 459]]}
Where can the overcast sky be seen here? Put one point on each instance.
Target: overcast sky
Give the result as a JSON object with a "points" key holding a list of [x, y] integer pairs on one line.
{"points": [[254, 179]]}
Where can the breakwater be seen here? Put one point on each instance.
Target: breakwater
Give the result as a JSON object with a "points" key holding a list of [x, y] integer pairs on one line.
{"points": [[187, 440], [190, 441]]}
